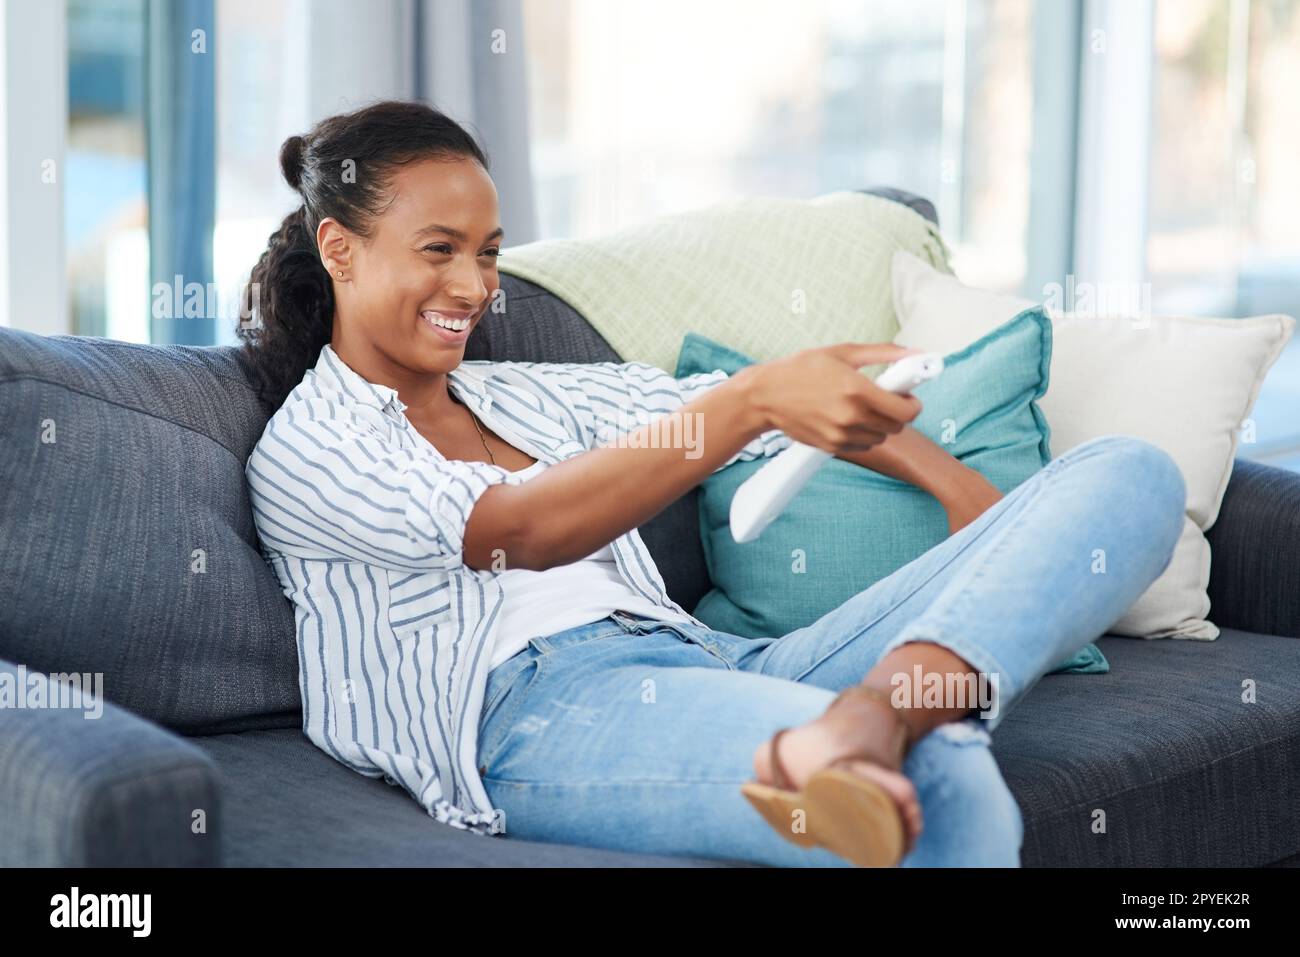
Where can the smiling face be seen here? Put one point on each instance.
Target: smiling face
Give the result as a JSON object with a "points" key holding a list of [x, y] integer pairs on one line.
{"points": [[413, 291]]}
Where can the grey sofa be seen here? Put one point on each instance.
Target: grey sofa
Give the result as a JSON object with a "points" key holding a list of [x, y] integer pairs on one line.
{"points": [[128, 549]]}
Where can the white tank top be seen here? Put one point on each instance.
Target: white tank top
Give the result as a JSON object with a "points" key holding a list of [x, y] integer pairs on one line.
{"points": [[550, 601]]}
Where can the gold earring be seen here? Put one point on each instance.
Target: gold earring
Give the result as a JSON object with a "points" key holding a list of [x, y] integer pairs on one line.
{"points": [[339, 274]]}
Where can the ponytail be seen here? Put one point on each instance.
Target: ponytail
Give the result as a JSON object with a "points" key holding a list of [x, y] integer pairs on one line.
{"points": [[290, 295]]}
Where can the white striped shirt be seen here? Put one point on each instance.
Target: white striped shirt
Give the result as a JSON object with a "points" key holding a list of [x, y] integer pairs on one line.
{"points": [[363, 521]]}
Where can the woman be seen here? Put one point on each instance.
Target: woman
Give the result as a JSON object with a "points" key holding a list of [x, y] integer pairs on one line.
{"points": [[479, 622]]}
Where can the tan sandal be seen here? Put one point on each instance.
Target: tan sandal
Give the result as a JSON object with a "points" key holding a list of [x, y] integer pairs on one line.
{"points": [[842, 811]]}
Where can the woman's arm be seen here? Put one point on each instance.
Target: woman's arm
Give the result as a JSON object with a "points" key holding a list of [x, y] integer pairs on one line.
{"points": [[911, 457], [578, 505]]}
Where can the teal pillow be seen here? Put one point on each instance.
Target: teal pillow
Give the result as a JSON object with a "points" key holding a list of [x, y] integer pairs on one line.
{"points": [[982, 409]]}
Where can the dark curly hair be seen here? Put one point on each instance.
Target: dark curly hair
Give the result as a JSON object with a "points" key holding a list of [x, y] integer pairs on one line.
{"points": [[342, 169]]}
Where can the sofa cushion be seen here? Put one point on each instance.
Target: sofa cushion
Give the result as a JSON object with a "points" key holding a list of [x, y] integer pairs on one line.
{"points": [[1255, 578], [286, 803], [1185, 383], [127, 531], [986, 396], [1187, 773]]}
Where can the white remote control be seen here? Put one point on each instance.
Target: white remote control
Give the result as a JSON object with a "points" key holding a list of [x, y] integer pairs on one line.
{"points": [[765, 494]]}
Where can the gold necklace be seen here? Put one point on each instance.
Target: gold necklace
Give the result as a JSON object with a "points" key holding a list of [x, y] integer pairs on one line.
{"points": [[482, 438]]}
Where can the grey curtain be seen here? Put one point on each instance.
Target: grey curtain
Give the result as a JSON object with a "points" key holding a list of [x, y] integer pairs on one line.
{"points": [[470, 63]]}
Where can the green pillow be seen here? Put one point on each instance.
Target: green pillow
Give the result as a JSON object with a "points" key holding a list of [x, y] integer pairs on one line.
{"points": [[982, 409]]}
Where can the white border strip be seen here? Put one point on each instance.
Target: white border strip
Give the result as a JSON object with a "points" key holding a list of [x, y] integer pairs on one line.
{"points": [[33, 146], [1117, 65]]}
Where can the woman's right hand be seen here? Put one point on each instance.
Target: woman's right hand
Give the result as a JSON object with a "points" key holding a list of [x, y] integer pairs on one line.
{"points": [[818, 396]]}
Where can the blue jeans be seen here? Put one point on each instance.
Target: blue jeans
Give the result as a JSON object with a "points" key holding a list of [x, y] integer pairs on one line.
{"points": [[636, 734]]}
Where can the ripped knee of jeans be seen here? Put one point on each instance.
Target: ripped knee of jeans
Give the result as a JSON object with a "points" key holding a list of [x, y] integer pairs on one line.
{"points": [[965, 731]]}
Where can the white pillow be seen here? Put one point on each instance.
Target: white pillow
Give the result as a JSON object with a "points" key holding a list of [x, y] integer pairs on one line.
{"points": [[1184, 384]]}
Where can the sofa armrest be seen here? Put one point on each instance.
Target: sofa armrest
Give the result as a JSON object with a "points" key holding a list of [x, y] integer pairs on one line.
{"points": [[1255, 549], [90, 784]]}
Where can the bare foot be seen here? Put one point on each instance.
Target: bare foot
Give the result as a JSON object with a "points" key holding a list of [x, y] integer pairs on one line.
{"points": [[810, 747]]}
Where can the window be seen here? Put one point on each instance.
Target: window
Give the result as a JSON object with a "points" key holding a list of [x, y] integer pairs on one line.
{"points": [[635, 116], [260, 103], [105, 209], [1224, 196], [641, 108]]}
